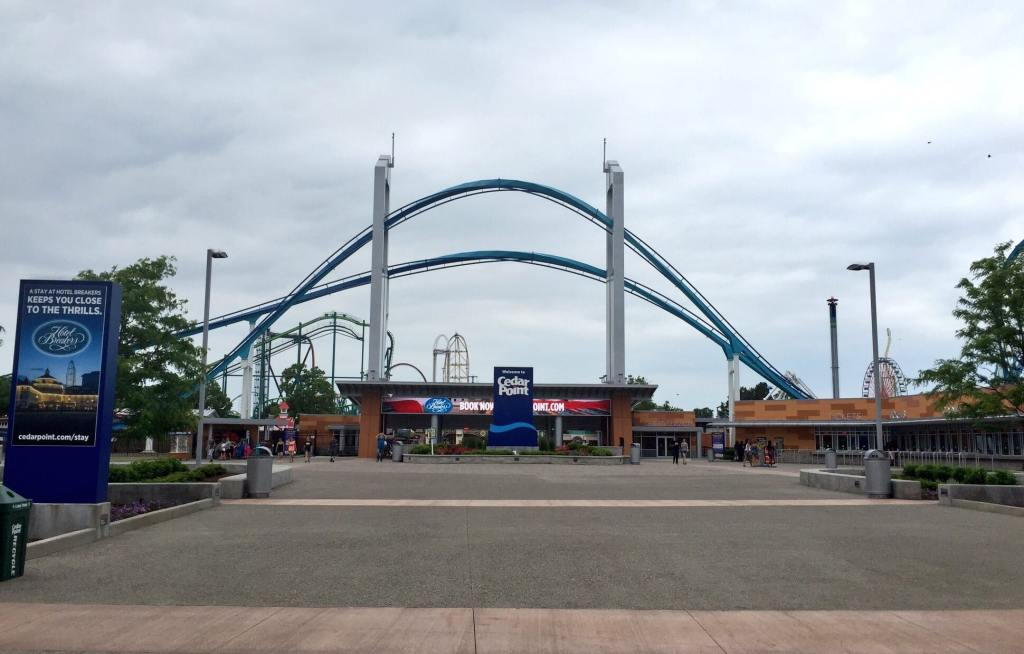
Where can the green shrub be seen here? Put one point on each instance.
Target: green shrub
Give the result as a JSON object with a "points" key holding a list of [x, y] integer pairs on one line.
{"points": [[929, 485], [546, 444], [926, 472], [959, 475], [1002, 478], [975, 476], [600, 451], [943, 473], [419, 449], [473, 442], [910, 470], [145, 470]]}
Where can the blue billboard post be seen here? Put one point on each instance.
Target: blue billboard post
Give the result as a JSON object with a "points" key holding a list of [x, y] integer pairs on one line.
{"points": [[512, 419], [62, 391]]}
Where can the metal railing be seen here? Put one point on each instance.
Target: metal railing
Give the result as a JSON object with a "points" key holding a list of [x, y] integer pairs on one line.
{"points": [[905, 457]]}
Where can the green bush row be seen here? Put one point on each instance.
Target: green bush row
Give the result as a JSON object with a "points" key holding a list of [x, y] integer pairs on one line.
{"points": [[145, 470], [942, 473], [162, 471]]}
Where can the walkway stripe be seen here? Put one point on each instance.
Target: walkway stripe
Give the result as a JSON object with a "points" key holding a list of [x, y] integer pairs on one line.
{"points": [[580, 504], [171, 629]]}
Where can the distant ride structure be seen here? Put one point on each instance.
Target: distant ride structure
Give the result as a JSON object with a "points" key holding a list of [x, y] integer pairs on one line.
{"points": [[893, 383], [704, 318], [454, 353]]}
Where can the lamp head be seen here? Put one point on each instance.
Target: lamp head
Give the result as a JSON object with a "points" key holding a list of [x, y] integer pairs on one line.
{"points": [[217, 254], [859, 266]]}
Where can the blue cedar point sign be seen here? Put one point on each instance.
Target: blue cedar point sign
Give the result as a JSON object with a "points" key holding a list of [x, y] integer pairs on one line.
{"points": [[62, 391], [512, 419]]}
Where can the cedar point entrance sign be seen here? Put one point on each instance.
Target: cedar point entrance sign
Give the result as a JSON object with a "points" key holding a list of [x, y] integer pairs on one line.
{"points": [[512, 421], [62, 395]]}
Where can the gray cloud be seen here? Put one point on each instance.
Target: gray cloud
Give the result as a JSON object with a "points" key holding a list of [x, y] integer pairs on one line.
{"points": [[764, 147]]}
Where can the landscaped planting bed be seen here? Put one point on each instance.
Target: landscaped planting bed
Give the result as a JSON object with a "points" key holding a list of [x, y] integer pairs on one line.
{"points": [[164, 471]]}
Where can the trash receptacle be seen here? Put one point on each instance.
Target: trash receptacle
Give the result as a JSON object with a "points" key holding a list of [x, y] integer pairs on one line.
{"points": [[830, 459], [396, 452], [634, 453], [877, 476], [14, 510], [259, 472]]}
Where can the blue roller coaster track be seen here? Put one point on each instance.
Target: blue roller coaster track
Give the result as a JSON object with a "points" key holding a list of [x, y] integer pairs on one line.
{"points": [[712, 325]]}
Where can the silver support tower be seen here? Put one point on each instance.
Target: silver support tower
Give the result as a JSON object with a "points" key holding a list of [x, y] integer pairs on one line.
{"points": [[615, 300], [379, 269], [734, 395]]}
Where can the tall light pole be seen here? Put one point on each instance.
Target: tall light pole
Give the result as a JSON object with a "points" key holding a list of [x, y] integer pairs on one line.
{"points": [[210, 256], [870, 267]]}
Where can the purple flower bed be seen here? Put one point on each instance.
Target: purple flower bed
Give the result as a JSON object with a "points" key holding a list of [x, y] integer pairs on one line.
{"points": [[138, 507]]}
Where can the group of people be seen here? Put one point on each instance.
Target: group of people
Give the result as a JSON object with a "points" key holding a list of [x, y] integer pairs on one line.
{"points": [[291, 447], [228, 449], [752, 454], [680, 450]]}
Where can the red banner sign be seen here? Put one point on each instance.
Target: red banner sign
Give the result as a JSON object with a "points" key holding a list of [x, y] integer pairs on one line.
{"points": [[467, 407]]}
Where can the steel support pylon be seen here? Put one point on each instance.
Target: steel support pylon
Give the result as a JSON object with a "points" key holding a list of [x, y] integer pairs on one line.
{"points": [[376, 369], [615, 286]]}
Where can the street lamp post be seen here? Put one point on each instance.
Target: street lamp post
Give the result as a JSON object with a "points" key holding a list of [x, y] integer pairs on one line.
{"points": [[870, 267], [210, 256]]}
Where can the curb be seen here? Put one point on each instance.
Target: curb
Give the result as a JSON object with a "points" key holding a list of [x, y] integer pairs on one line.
{"points": [[45, 547], [988, 507]]}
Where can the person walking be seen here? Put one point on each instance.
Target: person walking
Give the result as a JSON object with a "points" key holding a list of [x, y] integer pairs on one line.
{"points": [[309, 448], [747, 454], [292, 446], [334, 448], [381, 444], [738, 446], [684, 449], [675, 452]]}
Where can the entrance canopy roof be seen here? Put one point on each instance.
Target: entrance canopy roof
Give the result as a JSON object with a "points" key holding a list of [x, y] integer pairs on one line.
{"points": [[355, 390]]}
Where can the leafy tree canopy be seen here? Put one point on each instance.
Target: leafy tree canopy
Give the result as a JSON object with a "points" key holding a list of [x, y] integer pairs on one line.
{"points": [[156, 370], [986, 379], [307, 390], [218, 400]]}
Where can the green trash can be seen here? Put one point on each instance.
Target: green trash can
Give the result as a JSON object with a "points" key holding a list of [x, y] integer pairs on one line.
{"points": [[14, 511]]}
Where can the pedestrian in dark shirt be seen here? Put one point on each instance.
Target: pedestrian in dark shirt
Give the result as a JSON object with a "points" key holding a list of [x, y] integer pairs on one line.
{"points": [[334, 448], [675, 452]]}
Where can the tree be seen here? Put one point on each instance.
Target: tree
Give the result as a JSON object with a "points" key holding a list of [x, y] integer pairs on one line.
{"points": [[758, 392], [156, 370], [704, 412], [307, 390], [986, 379], [218, 400], [642, 405]]}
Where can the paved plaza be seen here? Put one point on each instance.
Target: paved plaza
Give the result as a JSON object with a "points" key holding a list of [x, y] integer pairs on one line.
{"points": [[654, 557]]}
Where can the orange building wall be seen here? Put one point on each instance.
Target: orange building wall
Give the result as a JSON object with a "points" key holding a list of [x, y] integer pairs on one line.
{"points": [[664, 419], [793, 438], [907, 406], [317, 424], [622, 420], [369, 422]]}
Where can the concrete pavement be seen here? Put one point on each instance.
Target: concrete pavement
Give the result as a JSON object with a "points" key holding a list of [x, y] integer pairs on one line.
{"points": [[244, 630], [652, 558]]}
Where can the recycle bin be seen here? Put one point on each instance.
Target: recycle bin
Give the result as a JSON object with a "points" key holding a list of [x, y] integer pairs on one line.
{"points": [[396, 451], [259, 472], [634, 453], [877, 476], [14, 510], [830, 459]]}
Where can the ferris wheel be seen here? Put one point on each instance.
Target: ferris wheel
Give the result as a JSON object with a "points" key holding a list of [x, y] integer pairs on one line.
{"points": [[893, 381]]}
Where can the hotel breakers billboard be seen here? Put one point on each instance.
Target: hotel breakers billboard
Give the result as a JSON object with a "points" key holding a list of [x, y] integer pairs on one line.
{"points": [[512, 418], [62, 391]]}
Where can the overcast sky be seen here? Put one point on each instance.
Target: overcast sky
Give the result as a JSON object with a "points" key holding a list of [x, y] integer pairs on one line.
{"points": [[764, 146]]}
